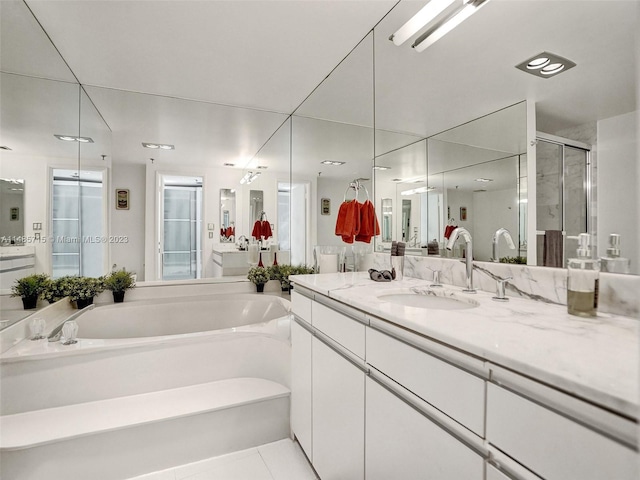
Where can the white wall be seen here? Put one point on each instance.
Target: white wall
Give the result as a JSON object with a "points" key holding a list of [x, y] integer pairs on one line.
{"points": [[494, 210], [618, 170]]}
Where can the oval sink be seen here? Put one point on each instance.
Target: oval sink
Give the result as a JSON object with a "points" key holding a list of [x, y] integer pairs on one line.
{"points": [[433, 300]]}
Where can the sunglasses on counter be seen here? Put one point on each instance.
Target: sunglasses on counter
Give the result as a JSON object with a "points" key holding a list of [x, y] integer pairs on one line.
{"points": [[380, 276]]}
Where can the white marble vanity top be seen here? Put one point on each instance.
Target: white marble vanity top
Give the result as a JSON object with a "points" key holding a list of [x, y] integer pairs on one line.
{"points": [[596, 359]]}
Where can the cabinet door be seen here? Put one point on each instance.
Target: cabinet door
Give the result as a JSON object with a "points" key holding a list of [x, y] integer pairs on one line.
{"points": [[301, 386], [338, 415], [402, 443]]}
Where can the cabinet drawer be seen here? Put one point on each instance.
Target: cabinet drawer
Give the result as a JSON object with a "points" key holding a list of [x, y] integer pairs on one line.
{"points": [[451, 390], [347, 332], [552, 445], [301, 306]]}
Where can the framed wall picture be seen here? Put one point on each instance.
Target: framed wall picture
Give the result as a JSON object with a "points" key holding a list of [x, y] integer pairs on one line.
{"points": [[463, 214], [325, 206], [122, 199]]}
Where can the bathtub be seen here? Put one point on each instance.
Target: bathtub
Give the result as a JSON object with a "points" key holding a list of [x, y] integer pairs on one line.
{"points": [[182, 316], [149, 345]]}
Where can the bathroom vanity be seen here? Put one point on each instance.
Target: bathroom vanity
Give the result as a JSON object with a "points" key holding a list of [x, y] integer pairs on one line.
{"points": [[228, 260], [480, 390]]}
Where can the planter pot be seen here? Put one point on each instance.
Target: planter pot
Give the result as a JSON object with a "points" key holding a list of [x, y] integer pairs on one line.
{"points": [[29, 302], [118, 297], [260, 287], [84, 302]]}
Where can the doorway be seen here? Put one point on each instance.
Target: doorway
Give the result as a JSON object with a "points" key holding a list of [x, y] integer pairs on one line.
{"points": [[180, 227]]}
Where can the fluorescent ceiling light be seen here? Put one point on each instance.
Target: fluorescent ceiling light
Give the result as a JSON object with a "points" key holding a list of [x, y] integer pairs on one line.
{"points": [[332, 162], [262, 167], [245, 178], [71, 138], [162, 146], [432, 36], [249, 177], [4, 147], [546, 65], [484, 180], [229, 164], [380, 167], [414, 191], [427, 14]]}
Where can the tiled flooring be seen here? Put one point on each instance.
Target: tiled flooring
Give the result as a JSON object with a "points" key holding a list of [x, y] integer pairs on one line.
{"points": [[282, 460]]}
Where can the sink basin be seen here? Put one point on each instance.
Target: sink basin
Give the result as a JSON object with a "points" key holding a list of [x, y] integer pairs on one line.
{"points": [[430, 299]]}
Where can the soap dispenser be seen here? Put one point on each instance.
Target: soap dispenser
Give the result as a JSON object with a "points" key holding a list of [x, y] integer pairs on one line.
{"points": [[613, 262], [582, 280]]}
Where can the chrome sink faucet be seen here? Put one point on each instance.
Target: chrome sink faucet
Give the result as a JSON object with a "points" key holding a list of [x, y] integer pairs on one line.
{"points": [[468, 253], [496, 237]]}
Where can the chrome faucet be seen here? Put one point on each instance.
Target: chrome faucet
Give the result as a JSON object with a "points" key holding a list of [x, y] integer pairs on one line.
{"points": [[242, 240], [496, 237], [468, 253]]}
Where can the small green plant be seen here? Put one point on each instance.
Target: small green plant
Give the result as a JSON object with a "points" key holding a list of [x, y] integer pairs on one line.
{"points": [[258, 275], [84, 288], [57, 289], [119, 281], [517, 260], [285, 271], [274, 272], [30, 286]]}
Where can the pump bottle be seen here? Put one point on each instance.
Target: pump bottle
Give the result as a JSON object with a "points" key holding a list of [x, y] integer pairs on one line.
{"points": [[613, 262], [582, 280]]}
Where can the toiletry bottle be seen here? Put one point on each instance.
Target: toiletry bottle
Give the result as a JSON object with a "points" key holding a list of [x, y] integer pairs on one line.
{"points": [[582, 280], [613, 262]]}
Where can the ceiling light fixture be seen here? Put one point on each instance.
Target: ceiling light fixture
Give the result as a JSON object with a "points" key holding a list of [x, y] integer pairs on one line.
{"points": [[414, 191], [484, 180], [71, 138], [249, 177], [262, 167], [380, 167], [427, 14], [332, 162], [229, 164], [545, 65], [468, 8], [162, 146], [4, 147]]}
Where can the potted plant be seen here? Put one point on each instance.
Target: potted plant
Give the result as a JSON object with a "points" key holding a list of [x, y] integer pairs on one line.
{"points": [[57, 289], [285, 271], [30, 288], [119, 282], [258, 276], [83, 289], [299, 270]]}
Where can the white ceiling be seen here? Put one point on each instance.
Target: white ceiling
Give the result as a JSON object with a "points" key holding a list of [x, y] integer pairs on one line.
{"points": [[270, 55]]}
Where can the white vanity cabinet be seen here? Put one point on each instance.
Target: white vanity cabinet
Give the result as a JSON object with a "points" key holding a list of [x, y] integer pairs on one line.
{"points": [[338, 415], [328, 388], [552, 445], [403, 443]]}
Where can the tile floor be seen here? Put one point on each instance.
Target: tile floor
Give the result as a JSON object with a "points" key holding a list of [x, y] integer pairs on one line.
{"points": [[281, 460]]}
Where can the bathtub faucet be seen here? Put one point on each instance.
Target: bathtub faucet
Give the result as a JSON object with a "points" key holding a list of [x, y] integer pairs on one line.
{"points": [[56, 333]]}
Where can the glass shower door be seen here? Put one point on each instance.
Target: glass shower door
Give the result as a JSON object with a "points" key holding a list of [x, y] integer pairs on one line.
{"points": [[181, 228]]}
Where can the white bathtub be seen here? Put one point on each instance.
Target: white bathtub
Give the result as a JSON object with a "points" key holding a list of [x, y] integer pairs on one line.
{"points": [[148, 345], [181, 316]]}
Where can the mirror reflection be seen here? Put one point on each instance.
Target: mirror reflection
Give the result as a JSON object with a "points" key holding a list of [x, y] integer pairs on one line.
{"points": [[227, 215], [11, 216]]}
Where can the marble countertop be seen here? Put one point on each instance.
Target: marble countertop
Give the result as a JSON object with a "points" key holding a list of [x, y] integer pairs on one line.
{"points": [[596, 359]]}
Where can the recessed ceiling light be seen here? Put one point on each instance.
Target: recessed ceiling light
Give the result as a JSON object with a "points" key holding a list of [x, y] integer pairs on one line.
{"points": [[332, 162], [229, 164], [545, 65], [380, 167], [162, 146], [396, 179], [484, 180], [4, 147], [262, 167], [71, 138]]}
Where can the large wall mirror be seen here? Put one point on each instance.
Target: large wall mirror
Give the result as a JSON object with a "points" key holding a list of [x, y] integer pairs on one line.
{"points": [[227, 215], [12, 215]]}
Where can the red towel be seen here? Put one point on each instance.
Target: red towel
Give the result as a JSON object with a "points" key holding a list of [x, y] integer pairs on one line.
{"points": [[348, 221], [448, 230], [257, 230], [369, 226], [265, 229]]}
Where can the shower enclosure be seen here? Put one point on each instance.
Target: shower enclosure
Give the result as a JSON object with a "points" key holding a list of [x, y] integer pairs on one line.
{"points": [[563, 194]]}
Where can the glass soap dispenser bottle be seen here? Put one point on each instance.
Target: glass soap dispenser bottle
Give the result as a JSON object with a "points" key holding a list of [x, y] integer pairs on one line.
{"points": [[582, 280], [613, 262]]}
